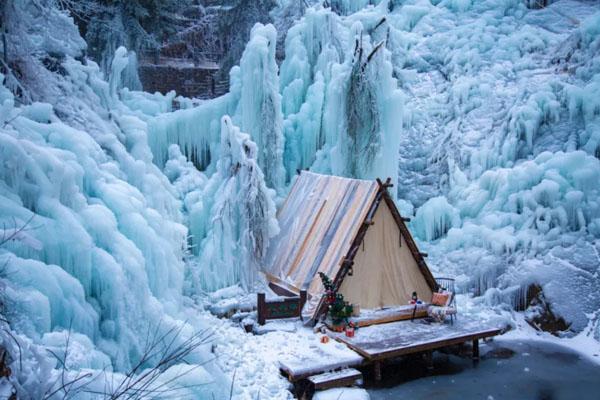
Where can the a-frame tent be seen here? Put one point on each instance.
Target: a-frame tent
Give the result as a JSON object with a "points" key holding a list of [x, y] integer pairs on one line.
{"points": [[351, 230]]}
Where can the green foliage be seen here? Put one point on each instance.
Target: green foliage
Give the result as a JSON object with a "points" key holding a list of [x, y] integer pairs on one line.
{"points": [[327, 282], [339, 310]]}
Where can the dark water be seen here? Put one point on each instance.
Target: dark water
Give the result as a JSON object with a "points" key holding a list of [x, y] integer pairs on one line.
{"points": [[507, 370]]}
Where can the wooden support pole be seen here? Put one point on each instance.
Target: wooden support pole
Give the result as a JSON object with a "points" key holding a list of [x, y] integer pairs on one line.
{"points": [[303, 297], [260, 305], [377, 371], [475, 349], [388, 182], [428, 359]]}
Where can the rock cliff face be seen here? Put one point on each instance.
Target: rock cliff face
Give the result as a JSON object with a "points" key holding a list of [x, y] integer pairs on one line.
{"points": [[188, 80], [195, 61]]}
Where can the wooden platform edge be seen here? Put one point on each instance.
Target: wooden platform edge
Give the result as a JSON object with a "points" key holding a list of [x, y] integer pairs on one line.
{"points": [[341, 378], [392, 318], [298, 377]]}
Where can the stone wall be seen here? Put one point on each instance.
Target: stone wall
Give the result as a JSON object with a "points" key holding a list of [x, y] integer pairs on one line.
{"points": [[189, 81]]}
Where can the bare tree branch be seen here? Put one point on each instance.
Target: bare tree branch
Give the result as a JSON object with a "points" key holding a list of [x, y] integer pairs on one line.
{"points": [[16, 231]]}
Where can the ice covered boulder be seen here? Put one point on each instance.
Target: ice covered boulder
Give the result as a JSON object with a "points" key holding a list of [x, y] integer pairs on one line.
{"points": [[342, 394], [434, 218]]}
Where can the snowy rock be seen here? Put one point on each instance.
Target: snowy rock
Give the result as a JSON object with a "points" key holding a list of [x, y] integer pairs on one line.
{"points": [[342, 394]]}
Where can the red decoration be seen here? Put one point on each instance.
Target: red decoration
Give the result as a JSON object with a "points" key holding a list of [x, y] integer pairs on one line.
{"points": [[350, 330]]}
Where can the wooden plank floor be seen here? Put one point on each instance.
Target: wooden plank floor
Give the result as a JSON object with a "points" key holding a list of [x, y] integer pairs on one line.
{"points": [[378, 342]]}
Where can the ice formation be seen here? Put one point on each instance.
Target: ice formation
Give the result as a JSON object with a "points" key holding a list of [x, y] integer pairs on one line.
{"points": [[490, 134], [499, 157], [99, 252], [113, 225], [343, 111], [308, 114]]}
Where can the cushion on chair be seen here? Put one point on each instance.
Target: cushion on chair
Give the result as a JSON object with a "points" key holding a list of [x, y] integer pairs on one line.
{"points": [[440, 299]]}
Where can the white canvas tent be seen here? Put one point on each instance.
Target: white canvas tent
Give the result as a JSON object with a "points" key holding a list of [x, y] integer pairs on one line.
{"points": [[350, 230]]}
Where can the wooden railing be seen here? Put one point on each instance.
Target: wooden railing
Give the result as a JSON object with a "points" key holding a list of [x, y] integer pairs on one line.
{"points": [[446, 283]]}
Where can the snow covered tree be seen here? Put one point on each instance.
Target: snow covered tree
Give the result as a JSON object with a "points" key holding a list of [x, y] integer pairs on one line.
{"points": [[30, 61], [362, 113], [135, 24], [239, 215], [259, 109]]}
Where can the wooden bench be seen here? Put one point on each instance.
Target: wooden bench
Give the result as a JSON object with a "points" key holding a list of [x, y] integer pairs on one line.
{"points": [[282, 307]]}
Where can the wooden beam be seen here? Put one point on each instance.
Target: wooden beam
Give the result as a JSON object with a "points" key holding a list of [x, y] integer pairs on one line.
{"points": [[391, 318], [347, 262], [303, 297], [476, 349], [327, 380], [428, 359], [377, 370], [294, 376], [384, 185], [260, 305], [281, 291]]}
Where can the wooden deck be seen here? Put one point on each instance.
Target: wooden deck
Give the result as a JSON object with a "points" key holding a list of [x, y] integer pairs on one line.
{"points": [[379, 342], [376, 343]]}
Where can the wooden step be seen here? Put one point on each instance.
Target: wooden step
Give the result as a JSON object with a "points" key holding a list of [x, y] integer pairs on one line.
{"points": [[341, 378]]}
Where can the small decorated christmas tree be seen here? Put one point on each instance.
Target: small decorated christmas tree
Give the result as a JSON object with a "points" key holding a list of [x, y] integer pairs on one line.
{"points": [[339, 310]]}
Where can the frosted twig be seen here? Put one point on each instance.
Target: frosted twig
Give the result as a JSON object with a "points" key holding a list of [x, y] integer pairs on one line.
{"points": [[16, 231], [10, 73], [232, 382]]}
